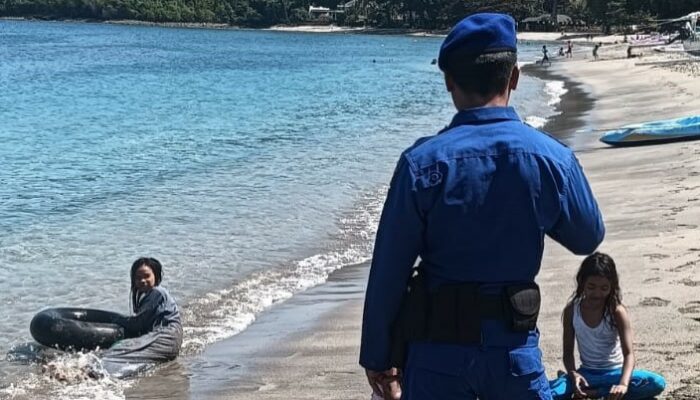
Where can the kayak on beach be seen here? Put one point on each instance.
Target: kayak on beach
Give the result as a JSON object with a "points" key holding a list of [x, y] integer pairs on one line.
{"points": [[670, 130]]}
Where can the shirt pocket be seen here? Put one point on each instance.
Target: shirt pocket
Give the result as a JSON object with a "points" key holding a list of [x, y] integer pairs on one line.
{"points": [[525, 361]]}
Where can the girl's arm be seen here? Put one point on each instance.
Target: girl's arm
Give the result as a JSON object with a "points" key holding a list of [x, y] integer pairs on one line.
{"points": [[577, 380], [142, 322], [569, 338], [624, 329]]}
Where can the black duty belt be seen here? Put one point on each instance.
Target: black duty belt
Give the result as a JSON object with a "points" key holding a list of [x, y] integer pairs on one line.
{"points": [[453, 313]]}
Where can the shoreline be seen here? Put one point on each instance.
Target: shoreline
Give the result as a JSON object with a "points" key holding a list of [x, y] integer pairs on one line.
{"points": [[569, 122], [318, 349]]}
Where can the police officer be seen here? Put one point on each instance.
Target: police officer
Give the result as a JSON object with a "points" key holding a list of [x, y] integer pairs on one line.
{"points": [[474, 202]]}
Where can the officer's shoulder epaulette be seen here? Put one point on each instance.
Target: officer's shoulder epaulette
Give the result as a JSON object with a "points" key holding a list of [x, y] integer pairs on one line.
{"points": [[418, 143]]}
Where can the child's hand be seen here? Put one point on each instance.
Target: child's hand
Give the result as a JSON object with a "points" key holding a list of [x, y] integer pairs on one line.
{"points": [[617, 392], [580, 384]]}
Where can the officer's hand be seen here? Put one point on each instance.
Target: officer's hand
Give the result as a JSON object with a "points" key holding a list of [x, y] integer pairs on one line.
{"points": [[580, 385], [385, 383], [617, 392]]}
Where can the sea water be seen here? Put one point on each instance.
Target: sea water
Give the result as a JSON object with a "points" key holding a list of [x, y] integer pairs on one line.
{"points": [[252, 164]]}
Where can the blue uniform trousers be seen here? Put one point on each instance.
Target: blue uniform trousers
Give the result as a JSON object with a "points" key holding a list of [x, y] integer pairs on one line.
{"points": [[459, 372], [643, 384]]}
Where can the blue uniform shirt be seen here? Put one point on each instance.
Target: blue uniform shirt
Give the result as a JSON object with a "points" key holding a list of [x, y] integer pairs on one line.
{"points": [[474, 203]]}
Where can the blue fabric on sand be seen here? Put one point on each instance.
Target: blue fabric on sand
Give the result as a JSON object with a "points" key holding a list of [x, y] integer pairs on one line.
{"points": [[643, 384]]}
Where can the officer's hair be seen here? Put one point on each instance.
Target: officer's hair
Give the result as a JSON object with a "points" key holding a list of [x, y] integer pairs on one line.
{"points": [[487, 74]]}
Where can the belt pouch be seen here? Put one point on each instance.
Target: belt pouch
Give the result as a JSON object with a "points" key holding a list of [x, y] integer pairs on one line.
{"points": [[524, 301]]}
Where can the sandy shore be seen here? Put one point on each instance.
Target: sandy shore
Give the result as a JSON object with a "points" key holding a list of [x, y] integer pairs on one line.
{"points": [[650, 197], [315, 28]]}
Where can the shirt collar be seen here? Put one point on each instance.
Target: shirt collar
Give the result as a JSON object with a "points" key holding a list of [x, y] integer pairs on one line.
{"points": [[483, 114]]}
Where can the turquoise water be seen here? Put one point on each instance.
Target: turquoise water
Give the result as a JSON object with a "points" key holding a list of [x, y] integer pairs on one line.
{"points": [[251, 163]]}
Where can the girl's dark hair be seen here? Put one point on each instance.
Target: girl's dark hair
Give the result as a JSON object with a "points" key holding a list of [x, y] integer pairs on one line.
{"points": [[151, 263], [600, 264]]}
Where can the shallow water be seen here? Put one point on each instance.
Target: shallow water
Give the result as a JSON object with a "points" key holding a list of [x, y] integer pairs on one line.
{"points": [[251, 163]]}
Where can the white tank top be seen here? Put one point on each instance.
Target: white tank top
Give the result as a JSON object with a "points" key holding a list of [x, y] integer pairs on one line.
{"points": [[598, 347]]}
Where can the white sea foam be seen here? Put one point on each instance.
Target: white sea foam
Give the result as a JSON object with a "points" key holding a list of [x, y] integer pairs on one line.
{"points": [[535, 121], [555, 90], [76, 385]]}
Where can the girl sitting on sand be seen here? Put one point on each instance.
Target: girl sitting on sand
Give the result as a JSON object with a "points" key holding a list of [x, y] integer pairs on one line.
{"points": [[596, 319], [154, 332]]}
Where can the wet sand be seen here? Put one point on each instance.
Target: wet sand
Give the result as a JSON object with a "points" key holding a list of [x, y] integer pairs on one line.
{"points": [[650, 197]]}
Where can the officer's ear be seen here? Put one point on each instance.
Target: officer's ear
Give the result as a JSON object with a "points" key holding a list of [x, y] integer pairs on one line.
{"points": [[514, 78]]}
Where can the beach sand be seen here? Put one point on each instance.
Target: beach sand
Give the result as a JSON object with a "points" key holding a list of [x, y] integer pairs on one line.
{"points": [[650, 197]]}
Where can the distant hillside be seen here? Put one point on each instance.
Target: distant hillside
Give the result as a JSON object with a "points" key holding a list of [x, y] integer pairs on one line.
{"points": [[418, 14]]}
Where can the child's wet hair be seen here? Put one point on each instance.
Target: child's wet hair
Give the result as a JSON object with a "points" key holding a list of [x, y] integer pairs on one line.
{"points": [[151, 263], [600, 264]]}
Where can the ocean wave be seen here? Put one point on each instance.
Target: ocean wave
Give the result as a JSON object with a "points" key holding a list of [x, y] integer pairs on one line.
{"points": [[555, 90], [535, 121], [218, 315]]}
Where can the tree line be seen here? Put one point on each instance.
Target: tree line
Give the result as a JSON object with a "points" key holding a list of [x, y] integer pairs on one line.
{"points": [[408, 14]]}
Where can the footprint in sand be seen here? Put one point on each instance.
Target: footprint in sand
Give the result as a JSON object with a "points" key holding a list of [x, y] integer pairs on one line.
{"points": [[266, 387], [656, 256], [686, 393], [652, 280], [691, 307], [688, 282], [683, 267], [654, 302]]}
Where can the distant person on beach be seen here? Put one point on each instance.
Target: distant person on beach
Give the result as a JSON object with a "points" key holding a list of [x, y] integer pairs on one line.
{"points": [[545, 56], [473, 202], [561, 52], [596, 319], [569, 49], [595, 50], [632, 55]]}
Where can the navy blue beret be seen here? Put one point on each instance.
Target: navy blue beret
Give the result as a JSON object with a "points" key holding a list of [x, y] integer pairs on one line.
{"points": [[478, 34]]}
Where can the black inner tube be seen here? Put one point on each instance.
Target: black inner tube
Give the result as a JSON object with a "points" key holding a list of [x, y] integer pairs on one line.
{"points": [[77, 328]]}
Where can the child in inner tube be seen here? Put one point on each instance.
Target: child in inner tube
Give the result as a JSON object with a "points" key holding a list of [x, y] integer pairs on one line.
{"points": [[153, 334]]}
